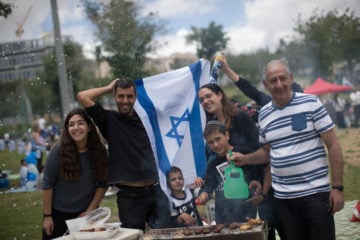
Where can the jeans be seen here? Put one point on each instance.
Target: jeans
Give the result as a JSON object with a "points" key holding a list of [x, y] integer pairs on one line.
{"points": [[140, 205], [305, 218]]}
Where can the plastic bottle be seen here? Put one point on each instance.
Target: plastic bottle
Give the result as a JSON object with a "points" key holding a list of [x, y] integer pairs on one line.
{"points": [[216, 67]]}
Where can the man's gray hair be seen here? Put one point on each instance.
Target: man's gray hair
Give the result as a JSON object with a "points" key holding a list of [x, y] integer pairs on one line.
{"points": [[282, 61]]}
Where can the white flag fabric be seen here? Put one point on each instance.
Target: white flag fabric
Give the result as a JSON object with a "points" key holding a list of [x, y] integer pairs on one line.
{"points": [[169, 108]]}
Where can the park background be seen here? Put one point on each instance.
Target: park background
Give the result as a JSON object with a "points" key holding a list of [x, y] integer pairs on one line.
{"points": [[324, 43], [21, 213]]}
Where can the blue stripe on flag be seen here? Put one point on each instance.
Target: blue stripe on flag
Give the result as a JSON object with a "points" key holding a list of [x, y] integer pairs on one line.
{"points": [[197, 140], [148, 106]]}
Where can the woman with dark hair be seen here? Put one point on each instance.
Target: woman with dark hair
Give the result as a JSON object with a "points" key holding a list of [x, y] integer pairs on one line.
{"points": [[75, 174], [243, 131]]}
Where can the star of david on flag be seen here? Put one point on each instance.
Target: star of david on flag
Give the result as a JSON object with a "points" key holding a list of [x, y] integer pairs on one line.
{"points": [[175, 123], [169, 108]]}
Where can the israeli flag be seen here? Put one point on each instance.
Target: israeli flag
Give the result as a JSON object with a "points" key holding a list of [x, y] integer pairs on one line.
{"points": [[170, 110]]}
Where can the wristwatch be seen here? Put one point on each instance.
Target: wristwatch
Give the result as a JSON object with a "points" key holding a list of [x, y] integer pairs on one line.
{"points": [[340, 188]]}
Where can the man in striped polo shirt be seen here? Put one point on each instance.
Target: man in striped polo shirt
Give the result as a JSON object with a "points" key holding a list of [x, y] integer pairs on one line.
{"points": [[296, 130]]}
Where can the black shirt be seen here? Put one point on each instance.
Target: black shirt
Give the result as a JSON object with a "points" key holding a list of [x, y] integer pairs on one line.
{"points": [[131, 158]]}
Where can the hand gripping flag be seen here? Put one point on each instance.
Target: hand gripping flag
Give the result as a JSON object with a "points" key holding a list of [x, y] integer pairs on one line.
{"points": [[169, 108]]}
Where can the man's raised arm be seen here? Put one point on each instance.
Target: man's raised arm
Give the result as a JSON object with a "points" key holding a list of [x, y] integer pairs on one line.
{"points": [[87, 97]]}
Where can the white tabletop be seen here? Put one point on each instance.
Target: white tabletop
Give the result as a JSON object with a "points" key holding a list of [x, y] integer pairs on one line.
{"points": [[123, 234]]}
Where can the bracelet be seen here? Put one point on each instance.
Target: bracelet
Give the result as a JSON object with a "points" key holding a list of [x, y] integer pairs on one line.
{"points": [[47, 215]]}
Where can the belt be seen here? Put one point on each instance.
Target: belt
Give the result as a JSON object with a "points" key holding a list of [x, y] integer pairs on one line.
{"points": [[121, 186]]}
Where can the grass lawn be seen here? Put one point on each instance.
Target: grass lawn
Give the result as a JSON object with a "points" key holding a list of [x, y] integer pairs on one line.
{"points": [[21, 213]]}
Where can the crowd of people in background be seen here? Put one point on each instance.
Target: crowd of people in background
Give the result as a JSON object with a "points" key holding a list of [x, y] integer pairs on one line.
{"points": [[34, 145], [22, 142], [344, 108]]}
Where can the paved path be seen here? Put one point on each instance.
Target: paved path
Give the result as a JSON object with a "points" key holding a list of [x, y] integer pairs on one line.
{"points": [[346, 230]]}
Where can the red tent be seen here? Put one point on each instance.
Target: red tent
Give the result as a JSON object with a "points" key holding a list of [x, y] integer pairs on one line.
{"points": [[320, 86]]}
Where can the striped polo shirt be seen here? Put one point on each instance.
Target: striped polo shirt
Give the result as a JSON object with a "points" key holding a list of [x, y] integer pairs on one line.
{"points": [[299, 165]]}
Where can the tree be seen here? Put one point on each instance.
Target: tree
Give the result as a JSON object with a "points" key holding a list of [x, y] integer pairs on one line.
{"points": [[331, 38], [208, 40], [249, 66], [80, 70], [5, 9], [10, 100], [46, 81], [295, 52], [126, 36]]}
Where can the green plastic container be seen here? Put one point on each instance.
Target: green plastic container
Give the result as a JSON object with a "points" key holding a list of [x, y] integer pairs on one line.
{"points": [[235, 186]]}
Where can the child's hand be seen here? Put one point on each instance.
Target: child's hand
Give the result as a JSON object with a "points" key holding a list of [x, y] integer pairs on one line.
{"points": [[187, 219], [198, 182]]}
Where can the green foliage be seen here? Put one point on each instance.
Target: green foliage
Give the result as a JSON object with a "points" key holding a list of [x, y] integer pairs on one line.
{"points": [[233, 93], [125, 35], [47, 84], [10, 99], [250, 65], [331, 38], [296, 54], [209, 40], [5, 9], [79, 73]]}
